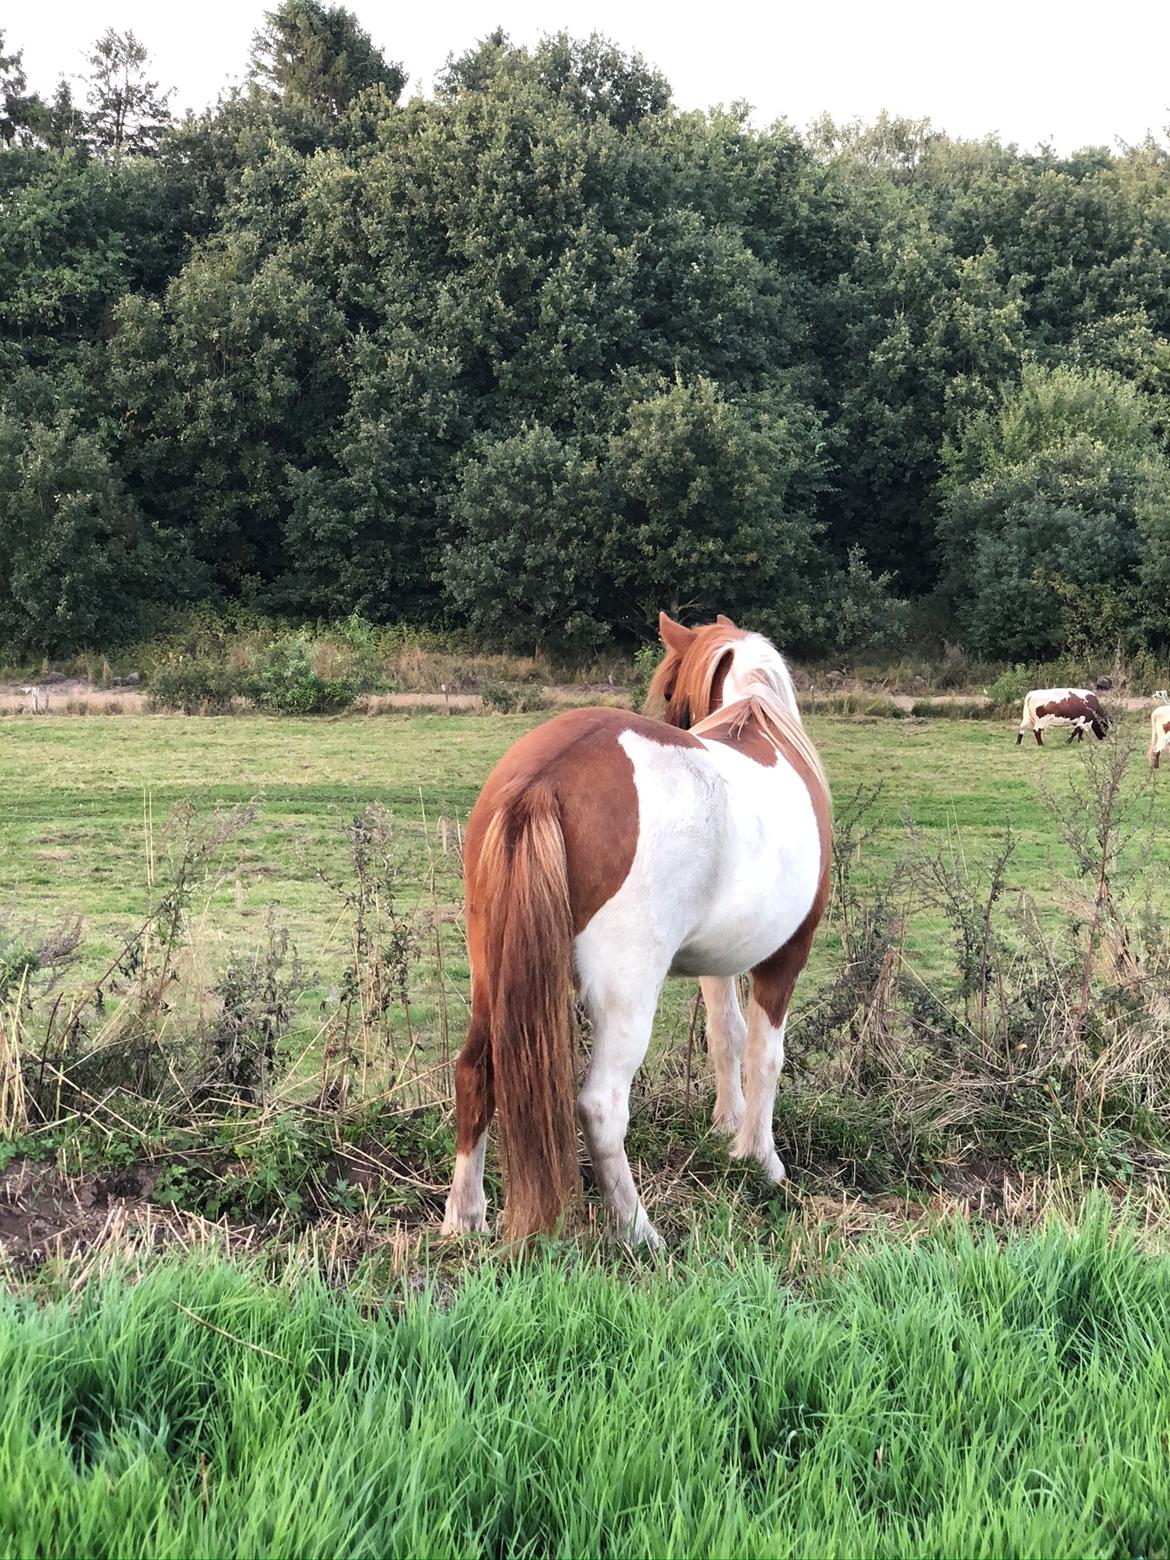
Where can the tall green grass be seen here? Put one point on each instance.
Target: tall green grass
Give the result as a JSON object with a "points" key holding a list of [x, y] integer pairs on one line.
{"points": [[946, 1398]]}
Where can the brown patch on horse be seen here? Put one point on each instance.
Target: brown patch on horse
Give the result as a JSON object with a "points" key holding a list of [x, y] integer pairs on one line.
{"points": [[734, 729], [689, 683], [580, 760]]}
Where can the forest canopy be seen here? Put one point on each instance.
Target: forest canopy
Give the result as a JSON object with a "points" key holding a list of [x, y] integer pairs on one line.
{"points": [[539, 354]]}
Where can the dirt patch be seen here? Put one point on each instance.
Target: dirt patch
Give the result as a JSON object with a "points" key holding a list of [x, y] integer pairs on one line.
{"points": [[50, 1217], [70, 696]]}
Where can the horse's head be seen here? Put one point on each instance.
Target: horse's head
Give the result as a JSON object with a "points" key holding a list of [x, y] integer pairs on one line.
{"points": [[710, 666]]}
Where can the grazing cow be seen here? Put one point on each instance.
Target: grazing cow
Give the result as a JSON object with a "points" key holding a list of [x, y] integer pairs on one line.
{"points": [[1160, 729], [1079, 708]]}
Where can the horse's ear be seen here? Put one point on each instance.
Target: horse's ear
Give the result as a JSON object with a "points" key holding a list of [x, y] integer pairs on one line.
{"points": [[674, 636], [724, 622]]}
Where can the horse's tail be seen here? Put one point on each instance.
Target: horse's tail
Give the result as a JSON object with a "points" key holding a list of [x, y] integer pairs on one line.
{"points": [[523, 891]]}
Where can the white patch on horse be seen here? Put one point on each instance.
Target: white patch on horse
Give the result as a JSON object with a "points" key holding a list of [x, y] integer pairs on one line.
{"points": [[726, 869]]}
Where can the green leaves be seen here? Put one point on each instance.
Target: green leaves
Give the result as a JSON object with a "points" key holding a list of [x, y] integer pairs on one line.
{"points": [[527, 568], [318, 58], [82, 566], [541, 354], [714, 504], [1046, 501]]}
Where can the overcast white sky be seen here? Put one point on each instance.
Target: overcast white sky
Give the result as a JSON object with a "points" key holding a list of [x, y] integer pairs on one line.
{"points": [[1031, 70]]}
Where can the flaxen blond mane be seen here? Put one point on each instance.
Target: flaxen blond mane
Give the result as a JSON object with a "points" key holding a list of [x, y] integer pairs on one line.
{"points": [[778, 724], [685, 686]]}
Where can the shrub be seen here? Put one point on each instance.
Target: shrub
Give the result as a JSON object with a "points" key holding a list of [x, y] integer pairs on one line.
{"points": [[953, 709], [284, 681], [360, 638], [867, 705], [1010, 687], [192, 684], [509, 699], [646, 659]]}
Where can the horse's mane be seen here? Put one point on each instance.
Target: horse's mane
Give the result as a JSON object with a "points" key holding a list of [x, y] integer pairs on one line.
{"points": [[779, 725], [681, 689]]}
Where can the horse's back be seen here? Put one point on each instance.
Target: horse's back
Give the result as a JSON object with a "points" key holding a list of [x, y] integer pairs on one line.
{"points": [[581, 761]]}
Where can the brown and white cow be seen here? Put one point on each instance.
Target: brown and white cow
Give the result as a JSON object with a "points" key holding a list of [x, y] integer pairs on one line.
{"points": [[1079, 708], [1160, 729]]}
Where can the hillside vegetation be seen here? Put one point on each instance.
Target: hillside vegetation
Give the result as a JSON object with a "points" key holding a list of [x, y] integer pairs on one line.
{"points": [[540, 354]]}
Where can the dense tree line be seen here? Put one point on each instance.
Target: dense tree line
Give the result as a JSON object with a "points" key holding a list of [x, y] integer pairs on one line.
{"points": [[540, 354]]}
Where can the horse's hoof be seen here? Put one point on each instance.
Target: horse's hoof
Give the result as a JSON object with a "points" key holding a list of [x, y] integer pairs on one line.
{"points": [[458, 1222], [638, 1233]]}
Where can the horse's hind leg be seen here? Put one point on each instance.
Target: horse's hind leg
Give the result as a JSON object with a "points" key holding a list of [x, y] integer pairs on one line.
{"points": [[726, 1037], [763, 1059], [621, 1032], [474, 1105], [773, 983]]}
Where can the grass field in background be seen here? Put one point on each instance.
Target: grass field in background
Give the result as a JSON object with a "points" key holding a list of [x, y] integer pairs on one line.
{"points": [[84, 804], [77, 794], [950, 1397]]}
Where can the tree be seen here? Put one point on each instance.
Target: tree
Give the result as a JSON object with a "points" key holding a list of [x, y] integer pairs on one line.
{"points": [[318, 58], [525, 571], [79, 564], [591, 75], [714, 499], [126, 113], [63, 124], [18, 110], [364, 526], [1045, 501], [222, 390]]}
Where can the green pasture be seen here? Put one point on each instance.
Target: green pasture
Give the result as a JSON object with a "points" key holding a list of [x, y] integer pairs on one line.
{"points": [[946, 1397], [85, 804]]}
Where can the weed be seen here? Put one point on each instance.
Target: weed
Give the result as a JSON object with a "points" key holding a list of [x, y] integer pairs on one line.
{"points": [[284, 680], [192, 685], [510, 698]]}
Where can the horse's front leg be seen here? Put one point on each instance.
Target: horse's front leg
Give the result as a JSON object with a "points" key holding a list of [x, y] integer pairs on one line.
{"points": [[726, 1038]]}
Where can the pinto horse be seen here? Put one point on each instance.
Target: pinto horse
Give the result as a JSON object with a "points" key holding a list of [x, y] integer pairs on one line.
{"points": [[612, 849]]}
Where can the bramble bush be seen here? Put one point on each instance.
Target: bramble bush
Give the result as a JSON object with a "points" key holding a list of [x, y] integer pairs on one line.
{"points": [[193, 685], [284, 681]]}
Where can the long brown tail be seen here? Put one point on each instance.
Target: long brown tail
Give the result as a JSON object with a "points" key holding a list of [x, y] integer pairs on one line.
{"points": [[524, 893]]}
